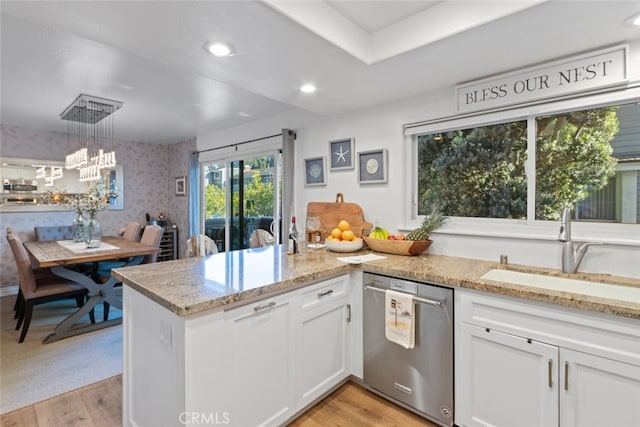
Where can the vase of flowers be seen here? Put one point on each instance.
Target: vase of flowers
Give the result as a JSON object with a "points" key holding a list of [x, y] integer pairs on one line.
{"points": [[74, 202], [78, 228], [86, 227], [92, 232], [94, 200]]}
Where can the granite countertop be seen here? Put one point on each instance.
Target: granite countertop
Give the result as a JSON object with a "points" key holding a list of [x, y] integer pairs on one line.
{"points": [[225, 280]]}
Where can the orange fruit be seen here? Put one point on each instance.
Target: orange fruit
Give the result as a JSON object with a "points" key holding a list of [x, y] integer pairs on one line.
{"points": [[344, 225], [336, 232], [347, 235]]}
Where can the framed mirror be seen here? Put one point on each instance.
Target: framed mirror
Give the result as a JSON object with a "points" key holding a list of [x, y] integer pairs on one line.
{"points": [[23, 184]]}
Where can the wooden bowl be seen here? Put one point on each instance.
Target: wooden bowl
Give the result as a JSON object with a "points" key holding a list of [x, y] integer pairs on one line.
{"points": [[398, 247]]}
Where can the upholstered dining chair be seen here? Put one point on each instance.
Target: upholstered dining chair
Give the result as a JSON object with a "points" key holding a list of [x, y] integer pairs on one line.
{"points": [[132, 231], [34, 292], [200, 245], [260, 237], [151, 236], [47, 232], [54, 232]]}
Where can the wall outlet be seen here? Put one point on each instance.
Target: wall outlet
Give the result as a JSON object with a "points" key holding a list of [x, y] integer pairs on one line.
{"points": [[376, 221]]}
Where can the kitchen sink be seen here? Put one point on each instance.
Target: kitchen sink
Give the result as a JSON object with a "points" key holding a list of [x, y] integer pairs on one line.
{"points": [[583, 287]]}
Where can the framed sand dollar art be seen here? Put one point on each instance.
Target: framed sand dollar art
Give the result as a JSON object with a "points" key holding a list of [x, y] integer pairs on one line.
{"points": [[314, 171], [372, 166]]}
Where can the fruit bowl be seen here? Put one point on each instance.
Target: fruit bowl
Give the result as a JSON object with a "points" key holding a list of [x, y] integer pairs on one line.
{"points": [[398, 247], [344, 245]]}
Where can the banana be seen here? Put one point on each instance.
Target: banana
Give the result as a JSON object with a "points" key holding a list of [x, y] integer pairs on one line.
{"points": [[379, 233]]}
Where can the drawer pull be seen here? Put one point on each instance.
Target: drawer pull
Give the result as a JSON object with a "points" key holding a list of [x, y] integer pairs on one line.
{"points": [[566, 375], [348, 313], [325, 293], [550, 364], [264, 307]]}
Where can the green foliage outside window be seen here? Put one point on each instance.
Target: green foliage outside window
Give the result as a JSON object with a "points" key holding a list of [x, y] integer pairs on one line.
{"points": [[475, 172], [259, 197], [480, 172], [573, 158]]}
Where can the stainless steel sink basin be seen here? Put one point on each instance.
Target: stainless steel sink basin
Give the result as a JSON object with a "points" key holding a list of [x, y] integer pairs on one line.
{"points": [[583, 287]]}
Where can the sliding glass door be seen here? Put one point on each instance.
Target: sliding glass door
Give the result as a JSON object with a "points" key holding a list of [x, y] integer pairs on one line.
{"points": [[240, 196]]}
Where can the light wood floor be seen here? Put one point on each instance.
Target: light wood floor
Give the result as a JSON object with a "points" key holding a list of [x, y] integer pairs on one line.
{"points": [[100, 405]]}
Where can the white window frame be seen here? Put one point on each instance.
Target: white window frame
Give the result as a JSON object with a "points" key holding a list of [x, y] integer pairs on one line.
{"points": [[531, 229]]}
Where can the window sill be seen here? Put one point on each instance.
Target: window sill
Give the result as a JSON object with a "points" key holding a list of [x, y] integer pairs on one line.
{"points": [[613, 234]]}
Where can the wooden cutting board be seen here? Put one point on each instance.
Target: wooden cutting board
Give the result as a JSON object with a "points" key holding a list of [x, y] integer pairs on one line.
{"points": [[330, 213]]}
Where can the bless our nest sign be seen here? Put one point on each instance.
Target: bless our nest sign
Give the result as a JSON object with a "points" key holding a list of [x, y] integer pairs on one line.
{"points": [[595, 70]]}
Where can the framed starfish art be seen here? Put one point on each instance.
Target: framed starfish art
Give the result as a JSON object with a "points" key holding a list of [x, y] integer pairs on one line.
{"points": [[341, 154]]}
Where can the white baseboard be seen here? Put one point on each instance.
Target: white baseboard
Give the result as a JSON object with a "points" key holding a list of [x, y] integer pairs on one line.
{"points": [[9, 290]]}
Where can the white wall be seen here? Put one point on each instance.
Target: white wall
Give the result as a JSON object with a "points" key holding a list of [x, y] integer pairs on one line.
{"points": [[381, 127]]}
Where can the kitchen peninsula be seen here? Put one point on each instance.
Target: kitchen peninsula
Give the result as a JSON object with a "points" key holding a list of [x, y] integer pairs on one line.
{"points": [[255, 336]]}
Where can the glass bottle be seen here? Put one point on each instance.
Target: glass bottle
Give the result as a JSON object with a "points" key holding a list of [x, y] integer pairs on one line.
{"points": [[293, 237]]}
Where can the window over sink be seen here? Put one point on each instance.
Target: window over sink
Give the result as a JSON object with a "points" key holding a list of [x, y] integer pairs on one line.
{"points": [[529, 168]]}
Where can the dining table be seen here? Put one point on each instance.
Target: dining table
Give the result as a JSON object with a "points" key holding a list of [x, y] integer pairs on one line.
{"points": [[69, 259]]}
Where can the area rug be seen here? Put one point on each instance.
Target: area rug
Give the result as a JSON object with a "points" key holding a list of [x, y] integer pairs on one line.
{"points": [[33, 371]]}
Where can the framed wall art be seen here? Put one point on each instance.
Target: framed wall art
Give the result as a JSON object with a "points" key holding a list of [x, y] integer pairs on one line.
{"points": [[314, 171], [372, 166], [341, 154], [181, 186]]}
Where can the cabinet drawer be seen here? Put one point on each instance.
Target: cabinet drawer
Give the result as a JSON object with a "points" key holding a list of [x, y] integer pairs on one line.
{"points": [[324, 292]]}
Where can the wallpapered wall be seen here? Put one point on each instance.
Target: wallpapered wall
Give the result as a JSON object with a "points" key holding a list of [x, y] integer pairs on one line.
{"points": [[149, 172]]}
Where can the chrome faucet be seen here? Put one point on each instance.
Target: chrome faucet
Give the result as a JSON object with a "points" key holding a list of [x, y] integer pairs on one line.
{"points": [[571, 256]]}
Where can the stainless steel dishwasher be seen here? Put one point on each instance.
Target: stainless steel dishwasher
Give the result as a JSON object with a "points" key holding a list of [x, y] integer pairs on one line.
{"points": [[420, 378]]}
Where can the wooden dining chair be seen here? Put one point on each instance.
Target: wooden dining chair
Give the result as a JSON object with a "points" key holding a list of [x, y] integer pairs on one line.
{"points": [[200, 245], [38, 292], [151, 236]]}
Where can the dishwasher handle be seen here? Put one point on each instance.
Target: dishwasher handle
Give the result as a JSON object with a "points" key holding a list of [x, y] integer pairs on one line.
{"points": [[416, 299]]}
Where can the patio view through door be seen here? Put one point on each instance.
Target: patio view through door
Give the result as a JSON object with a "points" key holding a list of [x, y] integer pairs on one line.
{"points": [[240, 196]]}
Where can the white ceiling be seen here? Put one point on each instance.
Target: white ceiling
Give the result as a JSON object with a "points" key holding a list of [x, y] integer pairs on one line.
{"points": [[149, 55]]}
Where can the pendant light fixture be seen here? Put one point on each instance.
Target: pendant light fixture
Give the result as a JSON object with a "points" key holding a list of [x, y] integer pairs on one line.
{"points": [[90, 135]]}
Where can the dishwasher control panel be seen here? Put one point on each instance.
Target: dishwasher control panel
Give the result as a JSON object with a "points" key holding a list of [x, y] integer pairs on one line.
{"points": [[403, 286]]}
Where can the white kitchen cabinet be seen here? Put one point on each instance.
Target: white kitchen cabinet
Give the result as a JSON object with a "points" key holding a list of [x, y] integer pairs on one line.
{"points": [[596, 391], [323, 339], [506, 380], [258, 364], [521, 363], [259, 349]]}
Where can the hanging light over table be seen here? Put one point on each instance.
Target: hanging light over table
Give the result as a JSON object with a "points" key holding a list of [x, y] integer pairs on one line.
{"points": [[90, 135]]}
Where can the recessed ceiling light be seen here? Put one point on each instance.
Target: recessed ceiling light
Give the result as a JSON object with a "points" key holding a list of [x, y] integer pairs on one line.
{"points": [[219, 49], [308, 88], [633, 20]]}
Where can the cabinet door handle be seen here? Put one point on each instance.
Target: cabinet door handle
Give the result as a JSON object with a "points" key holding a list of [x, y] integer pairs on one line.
{"points": [[550, 366], [264, 307], [325, 293], [348, 313], [566, 375]]}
